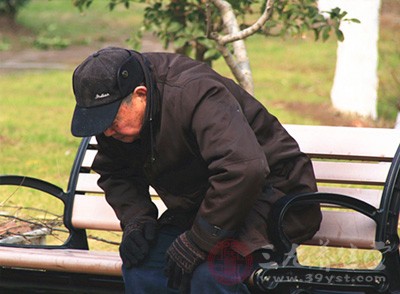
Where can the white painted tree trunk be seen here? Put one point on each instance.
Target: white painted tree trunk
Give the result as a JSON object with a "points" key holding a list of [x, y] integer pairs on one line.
{"points": [[397, 124], [355, 85]]}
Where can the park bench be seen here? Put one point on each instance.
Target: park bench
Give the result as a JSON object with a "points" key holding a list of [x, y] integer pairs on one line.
{"points": [[357, 170]]}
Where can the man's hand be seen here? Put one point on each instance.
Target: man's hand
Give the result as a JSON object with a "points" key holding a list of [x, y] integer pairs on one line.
{"points": [[136, 239], [183, 256]]}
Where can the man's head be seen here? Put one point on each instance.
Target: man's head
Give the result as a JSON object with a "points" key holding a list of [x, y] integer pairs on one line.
{"points": [[101, 83], [130, 117]]}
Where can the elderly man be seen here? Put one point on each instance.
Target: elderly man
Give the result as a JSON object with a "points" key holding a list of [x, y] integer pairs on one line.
{"points": [[213, 153]]}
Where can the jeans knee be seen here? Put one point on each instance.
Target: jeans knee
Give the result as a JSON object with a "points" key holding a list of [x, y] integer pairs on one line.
{"points": [[207, 279], [146, 281], [202, 274]]}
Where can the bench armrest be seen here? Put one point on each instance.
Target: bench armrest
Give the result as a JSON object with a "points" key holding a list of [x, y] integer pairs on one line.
{"points": [[279, 209], [39, 185], [34, 184], [77, 238]]}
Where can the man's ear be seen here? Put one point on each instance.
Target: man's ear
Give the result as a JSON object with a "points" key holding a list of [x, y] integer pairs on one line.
{"points": [[141, 91]]}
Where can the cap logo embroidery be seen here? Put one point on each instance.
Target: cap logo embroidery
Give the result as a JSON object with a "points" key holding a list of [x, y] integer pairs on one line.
{"points": [[103, 95]]}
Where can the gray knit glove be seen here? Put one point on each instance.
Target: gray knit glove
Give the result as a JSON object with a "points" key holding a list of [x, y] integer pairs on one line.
{"points": [[183, 256], [136, 239]]}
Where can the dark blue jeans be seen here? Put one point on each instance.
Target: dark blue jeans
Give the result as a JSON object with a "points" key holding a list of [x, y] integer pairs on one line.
{"points": [[149, 278]]}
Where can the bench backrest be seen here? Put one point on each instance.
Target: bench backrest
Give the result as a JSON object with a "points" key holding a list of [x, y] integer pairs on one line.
{"points": [[346, 160]]}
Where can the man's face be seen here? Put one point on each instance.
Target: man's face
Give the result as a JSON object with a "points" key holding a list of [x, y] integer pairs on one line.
{"points": [[129, 120]]}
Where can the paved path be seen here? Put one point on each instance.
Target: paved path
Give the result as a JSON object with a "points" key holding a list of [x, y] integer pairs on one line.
{"points": [[66, 59]]}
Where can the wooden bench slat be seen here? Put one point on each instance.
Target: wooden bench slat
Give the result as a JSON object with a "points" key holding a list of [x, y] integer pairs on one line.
{"points": [[351, 229], [306, 136], [93, 141], [327, 172], [340, 227], [88, 183], [352, 173], [93, 212], [333, 140], [89, 158], [65, 260], [371, 196]]}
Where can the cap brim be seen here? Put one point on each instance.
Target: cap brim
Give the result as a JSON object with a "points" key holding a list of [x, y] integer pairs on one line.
{"points": [[92, 121]]}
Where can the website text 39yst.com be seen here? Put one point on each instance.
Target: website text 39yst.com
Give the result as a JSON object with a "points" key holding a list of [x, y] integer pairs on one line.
{"points": [[328, 278]]}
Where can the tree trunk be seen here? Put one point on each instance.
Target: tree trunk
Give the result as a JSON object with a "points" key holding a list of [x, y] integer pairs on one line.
{"points": [[355, 84], [238, 62], [397, 124]]}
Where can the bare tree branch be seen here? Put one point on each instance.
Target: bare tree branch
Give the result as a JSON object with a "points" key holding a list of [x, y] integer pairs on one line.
{"points": [[245, 82], [34, 222], [31, 209], [102, 240], [208, 20], [48, 224], [226, 9], [239, 61], [12, 194]]}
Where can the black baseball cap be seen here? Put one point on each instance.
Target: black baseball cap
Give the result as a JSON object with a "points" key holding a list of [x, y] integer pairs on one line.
{"points": [[100, 83]]}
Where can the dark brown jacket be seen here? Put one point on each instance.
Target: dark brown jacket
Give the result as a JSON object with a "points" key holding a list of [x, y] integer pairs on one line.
{"points": [[218, 160]]}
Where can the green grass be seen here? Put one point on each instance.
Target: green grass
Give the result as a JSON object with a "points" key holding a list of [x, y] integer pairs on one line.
{"points": [[331, 257], [61, 18], [35, 141], [283, 69], [290, 71], [34, 125], [290, 68]]}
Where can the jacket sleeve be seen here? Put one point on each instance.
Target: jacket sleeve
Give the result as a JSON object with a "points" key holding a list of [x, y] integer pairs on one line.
{"points": [[236, 163], [121, 177]]}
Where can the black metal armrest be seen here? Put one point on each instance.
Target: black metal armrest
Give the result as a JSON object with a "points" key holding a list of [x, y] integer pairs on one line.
{"points": [[34, 184], [279, 209], [40, 185]]}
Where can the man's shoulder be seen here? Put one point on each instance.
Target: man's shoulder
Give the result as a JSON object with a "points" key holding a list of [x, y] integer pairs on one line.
{"points": [[177, 70]]}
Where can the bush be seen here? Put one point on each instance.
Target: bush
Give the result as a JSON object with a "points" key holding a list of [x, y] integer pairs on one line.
{"points": [[49, 39], [11, 7]]}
